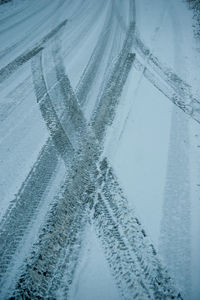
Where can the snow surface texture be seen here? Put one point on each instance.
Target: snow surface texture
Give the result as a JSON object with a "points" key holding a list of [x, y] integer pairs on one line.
{"points": [[99, 150]]}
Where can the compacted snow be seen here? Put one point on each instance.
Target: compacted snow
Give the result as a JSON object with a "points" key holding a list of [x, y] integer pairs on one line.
{"points": [[99, 150]]}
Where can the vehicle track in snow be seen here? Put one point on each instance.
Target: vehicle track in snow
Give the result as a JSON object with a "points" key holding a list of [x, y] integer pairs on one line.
{"points": [[13, 226], [157, 268], [74, 186], [114, 52], [100, 126], [37, 182], [104, 114], [155, 286], [144, 274], [166, 81], [125, 277]]}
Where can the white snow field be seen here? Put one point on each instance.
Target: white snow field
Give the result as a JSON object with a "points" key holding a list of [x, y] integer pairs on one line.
{"points": [[99, 150]]}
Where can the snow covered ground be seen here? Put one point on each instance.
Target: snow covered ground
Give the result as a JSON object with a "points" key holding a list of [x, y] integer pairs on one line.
{"points": [[99, 150]]}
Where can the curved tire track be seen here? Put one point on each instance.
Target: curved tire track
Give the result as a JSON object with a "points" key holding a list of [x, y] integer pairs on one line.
{"points": [[124, 256], [77, 189]]}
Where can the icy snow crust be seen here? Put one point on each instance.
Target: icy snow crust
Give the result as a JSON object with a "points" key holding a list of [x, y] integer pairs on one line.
{"points": [[88, 193]]}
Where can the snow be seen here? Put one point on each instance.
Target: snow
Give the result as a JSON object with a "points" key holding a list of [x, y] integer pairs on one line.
{"points": [[137, 144]]}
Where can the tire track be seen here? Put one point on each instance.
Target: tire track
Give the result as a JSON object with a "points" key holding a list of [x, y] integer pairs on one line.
{"points": [[149, 269], [79, 186], [37, 184], [168, 75], [166, 81], [124, 267], [127, 275], [23, 208], [31, 182], [71, 107], [58, 235], [62, 231], [9, 69], [80, 191], [157, 293], [86, 129], [13, 226], [184, 100], [104, 114], [85, 163], [113, 55], [127, 270]]}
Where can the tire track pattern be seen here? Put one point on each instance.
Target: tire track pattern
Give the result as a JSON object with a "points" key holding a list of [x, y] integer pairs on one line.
{"points": [[78, 191], [163, 279], [105, 112], [85, 162], [79, 187], [22, 209], [32, 189]]}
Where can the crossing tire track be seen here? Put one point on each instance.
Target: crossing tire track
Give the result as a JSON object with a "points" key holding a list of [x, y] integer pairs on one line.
{"points": [[62, 231], [145, 267], [33, 188], [60, 240], [80, 185], [127, 276]]}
